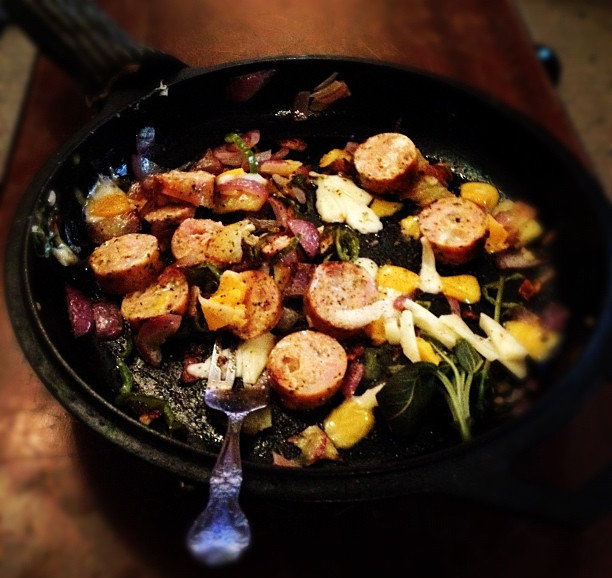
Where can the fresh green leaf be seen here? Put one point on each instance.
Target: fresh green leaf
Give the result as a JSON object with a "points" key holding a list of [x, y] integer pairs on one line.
{"points": [[467, 356], [406, 396]]}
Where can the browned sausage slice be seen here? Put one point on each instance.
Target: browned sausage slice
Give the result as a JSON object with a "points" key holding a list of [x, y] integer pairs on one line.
{"points": [[306, 368], [385, 162], [455, 227], [126, 263], [190, 241], [339, 287]]}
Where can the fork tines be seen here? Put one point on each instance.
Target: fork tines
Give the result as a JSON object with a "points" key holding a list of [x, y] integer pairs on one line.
{"points": [[222, 371]]}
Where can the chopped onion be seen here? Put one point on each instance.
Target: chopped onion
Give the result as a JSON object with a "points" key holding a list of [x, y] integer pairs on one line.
{"points": [[246, 86], [308, 235]]}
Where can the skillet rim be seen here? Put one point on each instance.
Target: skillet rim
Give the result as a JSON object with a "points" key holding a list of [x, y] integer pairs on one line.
{"points": [[536, 421]]}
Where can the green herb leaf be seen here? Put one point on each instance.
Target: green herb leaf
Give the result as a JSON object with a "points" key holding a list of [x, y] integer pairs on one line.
{"points": [[406, 396], [467, 356]]}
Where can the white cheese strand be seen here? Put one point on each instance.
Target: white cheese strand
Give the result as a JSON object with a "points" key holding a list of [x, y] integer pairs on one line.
{"points": [[408, 339], [340, 200], [360, 317], [479, 343], [430, 281], [430, 324]]}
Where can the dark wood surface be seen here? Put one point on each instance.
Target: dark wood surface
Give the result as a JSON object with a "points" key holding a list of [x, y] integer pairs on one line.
{"points": [[73, 506]]}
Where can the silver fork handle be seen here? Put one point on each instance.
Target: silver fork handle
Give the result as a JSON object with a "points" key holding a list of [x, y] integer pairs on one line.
{"points": [[222, 532]]}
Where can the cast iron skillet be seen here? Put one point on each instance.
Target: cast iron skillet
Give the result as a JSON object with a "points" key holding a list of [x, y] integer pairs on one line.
{"points": [[188, 108]]}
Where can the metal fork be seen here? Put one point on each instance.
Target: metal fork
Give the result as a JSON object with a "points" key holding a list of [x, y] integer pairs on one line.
{"points": [[221, 532]]}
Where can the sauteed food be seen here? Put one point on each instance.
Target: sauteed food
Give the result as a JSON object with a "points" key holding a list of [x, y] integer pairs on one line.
{"points": [[372, 287]]}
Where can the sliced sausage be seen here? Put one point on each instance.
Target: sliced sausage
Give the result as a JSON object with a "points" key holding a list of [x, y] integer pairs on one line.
{"points": [[306, 369], [190, 241], [263, 304], [339, 287], [198, 240], [164, 221], [193, 187], [126, 263], [168, 294], [455, 227], [385, 162]]}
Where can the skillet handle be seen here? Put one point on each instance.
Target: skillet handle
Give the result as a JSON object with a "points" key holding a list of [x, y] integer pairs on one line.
{"points": [[90, 47]]}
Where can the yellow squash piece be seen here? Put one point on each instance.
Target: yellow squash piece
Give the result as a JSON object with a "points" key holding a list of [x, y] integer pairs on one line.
{"points": [[383, 208], [464, 288], [497, 239], [410, 227], [537, 340], [225, 307], [426, 351], [376, 331], [486, 196], [397, 278], [352, 420], [335, 155]]}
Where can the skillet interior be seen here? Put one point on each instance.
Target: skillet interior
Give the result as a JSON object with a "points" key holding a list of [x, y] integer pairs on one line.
{"points": [[477, 137]]}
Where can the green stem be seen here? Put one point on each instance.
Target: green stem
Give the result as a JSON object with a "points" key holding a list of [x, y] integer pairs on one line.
{"points": [[461, 416], [236, 139], [499, 298]]}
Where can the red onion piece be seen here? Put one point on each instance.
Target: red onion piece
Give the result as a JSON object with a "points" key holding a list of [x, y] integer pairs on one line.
{"points": [[292, 258], [555, 316], [280, 210], [108, 320], [210, 163], [244, 87], [230, 155], [308, 235], [302, 273], [352, 378], [241, 185], [186, 377], [152, 334], [80, 312]]}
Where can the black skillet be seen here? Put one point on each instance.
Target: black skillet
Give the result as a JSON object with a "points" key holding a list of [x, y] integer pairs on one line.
{"points": [[189, 109]]}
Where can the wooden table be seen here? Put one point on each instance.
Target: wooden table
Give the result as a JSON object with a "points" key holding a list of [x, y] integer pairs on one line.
{"points": [[72, 506]]}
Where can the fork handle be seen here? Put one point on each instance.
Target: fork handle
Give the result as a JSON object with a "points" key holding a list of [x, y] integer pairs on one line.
{"points": [[222, 532]]}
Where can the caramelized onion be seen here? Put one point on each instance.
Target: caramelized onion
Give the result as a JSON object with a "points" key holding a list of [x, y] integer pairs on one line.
{"points": [[153, 334], [246, 86]]}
